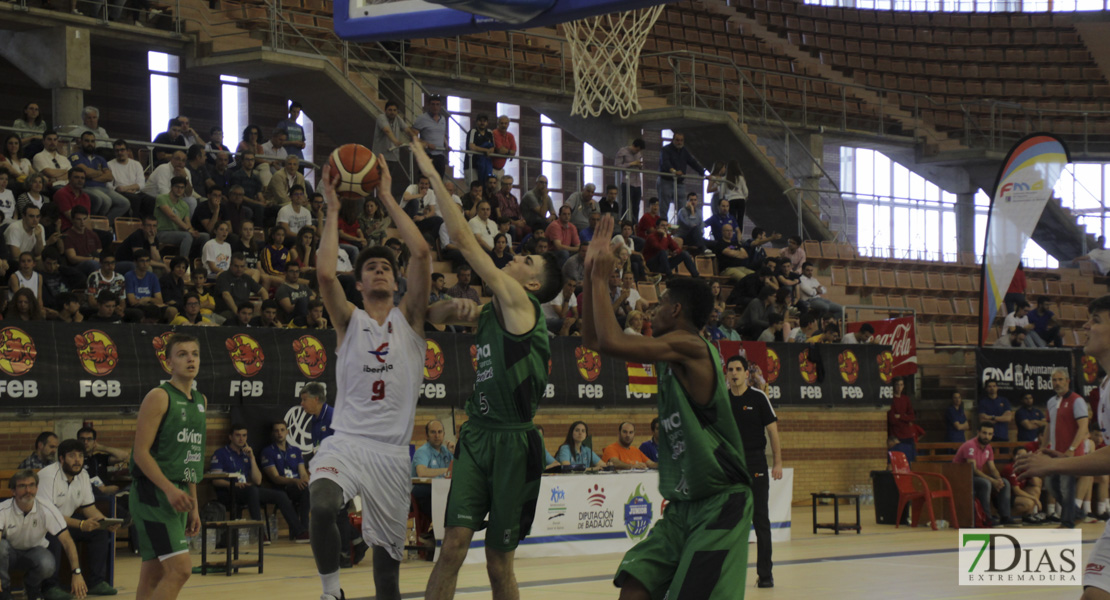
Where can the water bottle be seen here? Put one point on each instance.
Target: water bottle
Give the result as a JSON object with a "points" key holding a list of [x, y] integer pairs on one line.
{"points": [[213, 536], [194, 544], [273, 527], [245, 537]]}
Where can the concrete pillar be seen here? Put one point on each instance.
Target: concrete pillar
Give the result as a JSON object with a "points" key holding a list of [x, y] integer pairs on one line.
{"points": [[965, 223], [58, 59], [815, 145]]}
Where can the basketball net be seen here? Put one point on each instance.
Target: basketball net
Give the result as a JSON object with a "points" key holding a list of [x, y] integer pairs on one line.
{"points": [[605, 53]]}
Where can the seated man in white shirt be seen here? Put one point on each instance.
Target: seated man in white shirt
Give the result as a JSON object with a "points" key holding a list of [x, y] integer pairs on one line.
{"points": [[1020, 319], [129, 180], [561, 312], [294, 216], [484, 228], [25, 546], [159, 182], [67, 486]]}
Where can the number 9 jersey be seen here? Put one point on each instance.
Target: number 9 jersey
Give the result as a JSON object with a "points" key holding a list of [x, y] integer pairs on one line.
{"points": [[379, 372]]}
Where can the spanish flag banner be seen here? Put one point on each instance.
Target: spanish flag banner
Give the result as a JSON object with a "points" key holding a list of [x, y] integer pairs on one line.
{"points": [[642, 378]]}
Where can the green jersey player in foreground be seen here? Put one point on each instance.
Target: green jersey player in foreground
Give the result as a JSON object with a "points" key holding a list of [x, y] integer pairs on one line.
{"points": [[166, 463], [700, 548], [499, 455]]}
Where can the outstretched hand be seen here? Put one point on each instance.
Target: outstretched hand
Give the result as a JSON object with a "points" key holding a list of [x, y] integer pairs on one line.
{"points": [[423, 160], [328, 180], [600, 245], [385, 184], [1038, 464]]}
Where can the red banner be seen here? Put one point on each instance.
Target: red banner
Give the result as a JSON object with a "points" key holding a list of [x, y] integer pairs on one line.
{"points": [[901, 335]]}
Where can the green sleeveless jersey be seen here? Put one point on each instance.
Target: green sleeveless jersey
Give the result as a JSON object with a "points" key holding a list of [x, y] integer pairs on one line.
{"points": [[178, 447], [511, 369], [700, 451]]}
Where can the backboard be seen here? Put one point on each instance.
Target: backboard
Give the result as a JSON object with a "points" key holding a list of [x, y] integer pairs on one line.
{"points": [[378, 20]]}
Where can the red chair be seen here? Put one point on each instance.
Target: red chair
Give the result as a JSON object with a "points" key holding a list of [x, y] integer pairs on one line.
{"points": [[904, 478]]}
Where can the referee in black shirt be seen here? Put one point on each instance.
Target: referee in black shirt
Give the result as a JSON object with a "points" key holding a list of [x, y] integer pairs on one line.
{"points": [[753, 413]]}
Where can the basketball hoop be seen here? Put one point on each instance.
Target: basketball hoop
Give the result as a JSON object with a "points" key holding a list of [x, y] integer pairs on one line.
{"points": [[605, 53]]}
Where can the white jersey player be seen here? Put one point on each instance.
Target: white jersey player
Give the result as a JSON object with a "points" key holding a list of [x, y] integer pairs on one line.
{"points": [[1096, 575], [380, 366]]}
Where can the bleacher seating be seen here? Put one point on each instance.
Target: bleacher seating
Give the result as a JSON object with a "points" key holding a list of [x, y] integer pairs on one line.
{"points": [[956, 59]]}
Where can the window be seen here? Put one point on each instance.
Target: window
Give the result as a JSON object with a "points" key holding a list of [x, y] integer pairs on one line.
{"points": [[236, 116], [163, 90], [309, 140], [970, 5], [901, 214], [594, 175], [459, 110], [552, 149]]}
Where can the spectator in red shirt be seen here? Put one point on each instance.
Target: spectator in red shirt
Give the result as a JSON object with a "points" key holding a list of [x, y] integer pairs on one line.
{"points": [[901, 419], [1015, 294], [71, 195], [564, 235], [662, 253], [650, 220], [987, 479], [503, 143], [81, 243], [1027, 493]]}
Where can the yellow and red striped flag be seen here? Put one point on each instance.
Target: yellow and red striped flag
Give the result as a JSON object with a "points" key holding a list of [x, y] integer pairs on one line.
{"points": [[642, 378]]}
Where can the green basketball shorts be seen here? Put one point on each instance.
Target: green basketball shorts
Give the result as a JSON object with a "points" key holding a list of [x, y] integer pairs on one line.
{"points": [[497, 470], [160, 526], [698, 550]]}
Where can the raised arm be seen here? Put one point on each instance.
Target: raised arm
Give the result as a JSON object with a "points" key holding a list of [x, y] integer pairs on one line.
{"points": [[516, 309], [415, 303], [331, 291], [681, 348]]}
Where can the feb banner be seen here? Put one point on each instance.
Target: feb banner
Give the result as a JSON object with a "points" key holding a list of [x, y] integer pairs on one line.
{"points": [[1021, 191], [901, 335], [73, 365], [1021, 371], [818, 374]]}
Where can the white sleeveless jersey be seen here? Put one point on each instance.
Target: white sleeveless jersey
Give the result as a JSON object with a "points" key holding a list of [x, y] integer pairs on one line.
{"points": [[31, 284], [379, 371]]}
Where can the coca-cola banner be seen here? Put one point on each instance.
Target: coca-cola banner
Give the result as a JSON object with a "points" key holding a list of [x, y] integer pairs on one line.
{"points": [[901, 335], [1020, 371]]}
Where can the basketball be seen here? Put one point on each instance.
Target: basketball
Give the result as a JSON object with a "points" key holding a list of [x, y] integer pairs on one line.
{"points": [[358, 171]]}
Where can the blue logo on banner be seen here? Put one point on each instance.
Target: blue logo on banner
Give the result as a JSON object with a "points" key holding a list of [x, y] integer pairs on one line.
{"points": [[637, 514]]}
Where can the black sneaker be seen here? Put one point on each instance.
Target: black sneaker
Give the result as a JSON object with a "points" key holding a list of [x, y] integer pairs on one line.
{"points": [[766, 583], [345, 561], [1030, 520], [1053, 519], [1104, 516]]}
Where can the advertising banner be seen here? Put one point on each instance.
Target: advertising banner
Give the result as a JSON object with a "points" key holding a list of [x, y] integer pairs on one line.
{"points": [[1020, 371], [901, 335], [1024, 184], [54, 365], [602, 513]]}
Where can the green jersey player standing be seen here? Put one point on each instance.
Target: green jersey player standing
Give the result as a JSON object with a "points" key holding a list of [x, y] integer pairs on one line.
{"points": [[499, 455], [167, 461], [700, 548]]}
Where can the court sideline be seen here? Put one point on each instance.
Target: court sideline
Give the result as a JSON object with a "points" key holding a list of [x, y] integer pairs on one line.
{"points": [[882, 563]]}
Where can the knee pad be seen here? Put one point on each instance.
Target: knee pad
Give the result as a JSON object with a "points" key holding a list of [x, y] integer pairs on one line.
{"points": [[326, 498]]}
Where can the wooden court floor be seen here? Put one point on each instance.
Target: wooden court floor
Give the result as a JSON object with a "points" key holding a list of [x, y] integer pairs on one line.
{"points": [[881, 563]]}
